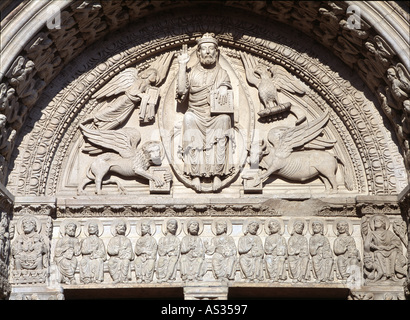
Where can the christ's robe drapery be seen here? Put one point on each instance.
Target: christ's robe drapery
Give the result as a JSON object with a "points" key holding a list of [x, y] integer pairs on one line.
{"points": [[207, 141]]}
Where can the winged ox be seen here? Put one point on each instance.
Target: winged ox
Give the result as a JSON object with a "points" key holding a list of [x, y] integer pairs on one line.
{"points": [[298, 154]]}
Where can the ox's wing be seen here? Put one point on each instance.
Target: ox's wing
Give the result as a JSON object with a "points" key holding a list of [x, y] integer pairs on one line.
{"points": [[297, 137]]}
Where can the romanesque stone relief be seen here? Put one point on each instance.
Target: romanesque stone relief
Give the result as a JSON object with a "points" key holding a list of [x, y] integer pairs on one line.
{"points": [[383, 257], [193, 265], [83, 24], [321, 252], [128, 90], [297, 154], [30, 251], [128, 160], [223, 250], [145, 252], [348, 259], [169, 250], [265, 249], [94, 254], [207, 141], [276, 251], [116, 102], [120, 252], [67, 251], [170, 115], [298, 251], [395, 101], [251, 251], [269, 80]]}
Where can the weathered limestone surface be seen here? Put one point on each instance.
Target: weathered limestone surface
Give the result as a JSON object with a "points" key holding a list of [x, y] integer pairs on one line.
{"points": [[175, 144]]}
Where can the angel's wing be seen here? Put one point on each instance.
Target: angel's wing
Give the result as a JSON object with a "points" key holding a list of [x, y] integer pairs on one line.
{"points": [[119, 84], [250, 63], [287, 139], [162, 66], [124, 141], [283, 80]]}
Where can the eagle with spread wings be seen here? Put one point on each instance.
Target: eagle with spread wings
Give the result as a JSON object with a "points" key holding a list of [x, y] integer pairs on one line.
{"points": [[128, 89], [269, 80]]}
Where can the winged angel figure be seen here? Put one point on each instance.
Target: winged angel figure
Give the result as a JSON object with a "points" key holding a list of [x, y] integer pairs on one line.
{"points": [[126, 90], [127, 160], [298, 154], [269, 80]]}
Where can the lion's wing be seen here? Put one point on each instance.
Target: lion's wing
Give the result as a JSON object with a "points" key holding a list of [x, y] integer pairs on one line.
{"points": [[120, 141]]}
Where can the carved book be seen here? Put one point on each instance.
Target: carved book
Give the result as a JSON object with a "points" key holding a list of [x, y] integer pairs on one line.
{"points": [[217, 108]]}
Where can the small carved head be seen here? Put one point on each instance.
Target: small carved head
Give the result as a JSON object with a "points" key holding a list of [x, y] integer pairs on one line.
{"points": [[121, 228], [93, 228], [263, 71], [29, 225], [274, 226], [207, 51], [253, 227], [172, 226], [298, 227], [150, 74], [152, 152], [391, 74], [379, 223], [221, 227], [342, 227], [70, 229], [257, 151], [193, 227], [145, 228], [317, 227]]}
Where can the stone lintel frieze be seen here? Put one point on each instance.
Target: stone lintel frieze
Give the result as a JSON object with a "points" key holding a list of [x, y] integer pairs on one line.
{"points": [[42, 206], [355, 206]]}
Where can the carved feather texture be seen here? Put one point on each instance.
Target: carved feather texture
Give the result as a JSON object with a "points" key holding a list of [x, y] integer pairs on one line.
{"points": [[280, 78], [123, 141], [119, 84], [286, 139]]}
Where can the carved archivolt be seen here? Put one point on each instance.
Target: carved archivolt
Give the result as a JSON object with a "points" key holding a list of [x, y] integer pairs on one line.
{"points": [[362, 144]]}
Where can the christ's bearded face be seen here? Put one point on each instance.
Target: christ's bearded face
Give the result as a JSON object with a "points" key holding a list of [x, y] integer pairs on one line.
{"points": [[207, 54]]}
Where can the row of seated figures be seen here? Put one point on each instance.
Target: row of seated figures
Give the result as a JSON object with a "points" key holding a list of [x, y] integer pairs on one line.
{"points": [[263, 252]]}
